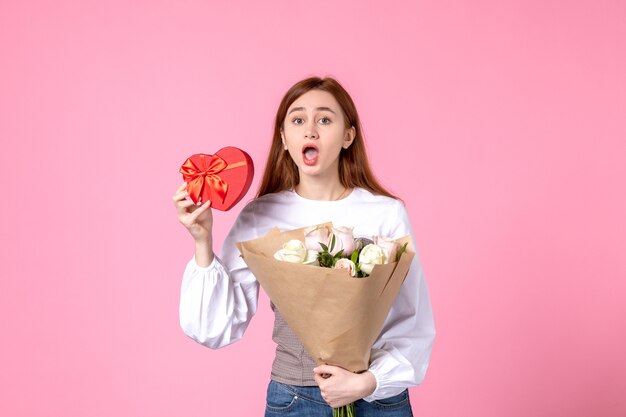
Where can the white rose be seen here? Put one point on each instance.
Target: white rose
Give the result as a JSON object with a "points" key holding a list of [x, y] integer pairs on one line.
{"points": [[347, 264], [311, 258], [371, 255], [292, 251]]}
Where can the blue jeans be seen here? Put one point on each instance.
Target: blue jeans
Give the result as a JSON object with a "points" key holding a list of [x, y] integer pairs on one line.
{"points": [[295, 401]]}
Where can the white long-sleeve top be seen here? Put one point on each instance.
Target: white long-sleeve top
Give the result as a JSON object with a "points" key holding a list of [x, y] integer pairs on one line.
{"points": [[218, 301]]}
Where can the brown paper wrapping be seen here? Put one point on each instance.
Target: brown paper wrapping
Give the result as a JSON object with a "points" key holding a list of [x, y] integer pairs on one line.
{"points": [[337, 317]]}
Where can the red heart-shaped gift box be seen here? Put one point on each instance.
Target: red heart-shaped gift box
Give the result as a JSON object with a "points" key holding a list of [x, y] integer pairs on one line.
{"points": [[223, 178]]}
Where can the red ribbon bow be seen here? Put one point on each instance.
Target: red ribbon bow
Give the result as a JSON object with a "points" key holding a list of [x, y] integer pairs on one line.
{"points": [[201, 177]]}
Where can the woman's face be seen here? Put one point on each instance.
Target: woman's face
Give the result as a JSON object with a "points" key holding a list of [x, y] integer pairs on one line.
{"points": [[314, 133]]}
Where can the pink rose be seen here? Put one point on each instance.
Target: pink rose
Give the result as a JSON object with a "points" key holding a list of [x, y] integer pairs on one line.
{"points": [[345, 263], [389, 246], [314, 235], [344, 239]]}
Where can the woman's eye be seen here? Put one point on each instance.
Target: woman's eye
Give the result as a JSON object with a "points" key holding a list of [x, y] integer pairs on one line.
{"points": [[299, 120]]}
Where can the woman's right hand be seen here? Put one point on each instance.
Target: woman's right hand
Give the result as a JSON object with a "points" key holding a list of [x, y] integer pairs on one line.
{"points": [[197, 219]]}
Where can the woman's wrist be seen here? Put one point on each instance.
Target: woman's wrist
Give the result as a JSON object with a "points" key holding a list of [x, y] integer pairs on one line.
{"points": [[204, 253], [369, 384]]}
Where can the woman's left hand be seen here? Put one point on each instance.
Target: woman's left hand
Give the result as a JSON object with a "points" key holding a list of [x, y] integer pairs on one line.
{"points": [[342, 386]]}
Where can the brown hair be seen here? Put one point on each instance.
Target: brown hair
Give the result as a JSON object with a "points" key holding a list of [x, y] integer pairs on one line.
{"points": [[281, 173]]}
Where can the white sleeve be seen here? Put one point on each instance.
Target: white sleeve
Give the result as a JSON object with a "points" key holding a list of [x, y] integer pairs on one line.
{"points": [[218, 301], [401, 354]]}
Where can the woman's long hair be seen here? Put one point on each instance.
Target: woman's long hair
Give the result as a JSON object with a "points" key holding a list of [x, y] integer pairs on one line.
{"points": [[281, 173]]}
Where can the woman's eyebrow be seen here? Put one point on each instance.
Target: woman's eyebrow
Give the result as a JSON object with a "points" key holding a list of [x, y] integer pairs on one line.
{"points": [[317, 108]]}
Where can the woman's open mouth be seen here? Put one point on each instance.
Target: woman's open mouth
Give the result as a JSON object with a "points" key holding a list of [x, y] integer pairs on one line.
{"points": [[310, 154]]}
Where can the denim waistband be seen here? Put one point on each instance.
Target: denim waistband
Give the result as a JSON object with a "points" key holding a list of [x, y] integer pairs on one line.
{"points": [[307, 393]]}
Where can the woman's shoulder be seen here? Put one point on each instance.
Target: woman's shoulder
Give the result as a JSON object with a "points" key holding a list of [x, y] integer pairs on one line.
{"points": [[387, 214], [366, 196]]}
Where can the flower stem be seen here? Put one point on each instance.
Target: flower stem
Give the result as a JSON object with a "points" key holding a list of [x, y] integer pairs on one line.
{"points": [[345, 411]]}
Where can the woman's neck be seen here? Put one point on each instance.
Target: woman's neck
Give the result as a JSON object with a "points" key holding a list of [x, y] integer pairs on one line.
{"points": [[312, 189]]}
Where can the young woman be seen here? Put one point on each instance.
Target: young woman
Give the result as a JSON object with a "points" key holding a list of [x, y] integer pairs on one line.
{"points": [[317, 171]]}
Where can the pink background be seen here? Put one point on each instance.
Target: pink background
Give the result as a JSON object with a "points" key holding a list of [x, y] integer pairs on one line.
{"points": [[501, 124]]}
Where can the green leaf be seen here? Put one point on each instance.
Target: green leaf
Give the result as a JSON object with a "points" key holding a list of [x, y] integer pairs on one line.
{"points": [[401, 251], [324, 247], [332, 243], [354, 257], [326, 259]]}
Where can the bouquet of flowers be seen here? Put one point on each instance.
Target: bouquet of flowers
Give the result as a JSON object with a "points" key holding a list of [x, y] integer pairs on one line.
{"points": [[337, 248], [310, 274]]}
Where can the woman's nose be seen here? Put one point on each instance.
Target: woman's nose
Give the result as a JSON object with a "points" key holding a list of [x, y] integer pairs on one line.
{"points": [[310, 132]]}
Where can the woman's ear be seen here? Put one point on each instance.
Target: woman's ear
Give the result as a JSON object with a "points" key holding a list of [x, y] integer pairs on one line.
{"points": [[349, 137]]}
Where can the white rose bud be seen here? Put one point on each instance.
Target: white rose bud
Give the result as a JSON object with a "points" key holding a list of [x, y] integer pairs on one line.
{"points": [[345, 263], [371, 255], [292, 251]]}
